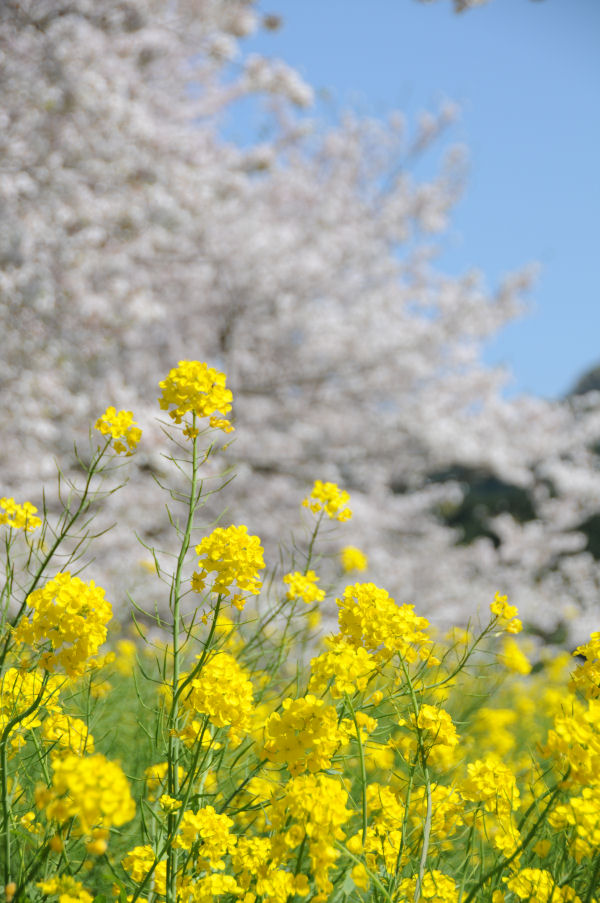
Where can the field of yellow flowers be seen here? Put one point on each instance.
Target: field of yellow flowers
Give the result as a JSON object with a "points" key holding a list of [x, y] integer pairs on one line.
{"points": [[223, 749]]}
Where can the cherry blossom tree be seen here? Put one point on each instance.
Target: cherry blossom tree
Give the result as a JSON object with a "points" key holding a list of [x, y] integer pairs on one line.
{"points": [[133, 235]]}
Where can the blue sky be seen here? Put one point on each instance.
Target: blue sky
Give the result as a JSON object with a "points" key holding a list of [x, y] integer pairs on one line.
{"points": [[526, 74]]}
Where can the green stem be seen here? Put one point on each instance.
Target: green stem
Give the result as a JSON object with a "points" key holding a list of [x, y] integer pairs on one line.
{"points": [[241, 786], [207, 646], [407, 801], [174, 742], [300, 856], [594, 881], [312, 543], [363, 773], [372, 876], [423, 757], [4, 773]]}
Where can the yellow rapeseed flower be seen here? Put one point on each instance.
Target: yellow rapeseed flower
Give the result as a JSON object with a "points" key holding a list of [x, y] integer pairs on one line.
{"points": [[328, 497], [236, 558], [90, 789], [223, 692], [68, 889], [304, 736], [506, 614], [195, 388], [513, 657], [353, 559], [18, 517], [68, 623], [122, 428], [303, 586]]}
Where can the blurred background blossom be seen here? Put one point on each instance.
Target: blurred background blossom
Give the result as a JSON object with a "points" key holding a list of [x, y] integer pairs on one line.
{"points": [[306, 259]]}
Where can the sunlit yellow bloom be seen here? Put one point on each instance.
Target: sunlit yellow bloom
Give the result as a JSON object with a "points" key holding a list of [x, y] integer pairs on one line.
{"points": [[491, 783], [195, 388], [328, 497], [208, 832], [586, 676], [304, 586], [539, 885], [435, 888], [513, 657], [138, 862], [223, 692], [68, 623], [66, 888], [235, 558], [305, 735], [122, 428], [506, 614], [68, 733], [344, 667], [18, 517], [369, 617], [92, 790], [353, 559]]}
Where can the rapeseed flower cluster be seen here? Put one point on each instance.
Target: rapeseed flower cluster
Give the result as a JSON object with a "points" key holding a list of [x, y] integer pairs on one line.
{"points": [[435, 887], [586, 677], [434, 730], [353, 559], [257, 866], [236, 558], [19, 691], [506, 614], [303, 586], [142, 860], [122, 428], [328, 497], [491, 784], [540, 885], [313, 809], [19, 517], [91, 790], [513, 657], [223, 692], [343, 668], [66, 888], [207, 833], [195, 388], [305, 736], [65, 733], [68, 623], [369, 617]]}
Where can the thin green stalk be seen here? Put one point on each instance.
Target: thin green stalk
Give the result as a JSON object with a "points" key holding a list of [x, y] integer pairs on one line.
{"points": [[300, 856], [175, 602], [363, 773], [207, 646], [5, 814], [259, 631], [6, 592], [423, 756], [312, 543], [4, 774], [407, 800], [241, 786], [468, 852], [594, 881], [372, 876], [426, 836]]}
